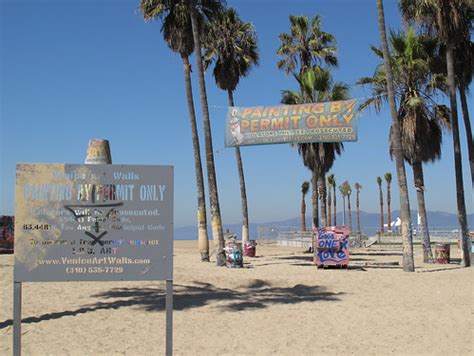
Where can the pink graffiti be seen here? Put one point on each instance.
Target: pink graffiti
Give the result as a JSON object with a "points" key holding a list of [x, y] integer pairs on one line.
{"points": [[332, 246]]}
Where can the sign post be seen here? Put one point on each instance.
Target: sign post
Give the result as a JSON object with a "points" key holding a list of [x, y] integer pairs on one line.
{"points": [[169, 317], [98, 222], [16, 318]]}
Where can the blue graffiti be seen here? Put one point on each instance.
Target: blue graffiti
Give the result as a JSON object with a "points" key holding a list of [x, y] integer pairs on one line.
{"points": [[323, 235], [332, 247], [234, 258], [344, 243], [328, 243], [331, 256]]}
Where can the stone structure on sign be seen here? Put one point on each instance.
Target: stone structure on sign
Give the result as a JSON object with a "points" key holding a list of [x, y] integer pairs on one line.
{"points": [[98, 152]]}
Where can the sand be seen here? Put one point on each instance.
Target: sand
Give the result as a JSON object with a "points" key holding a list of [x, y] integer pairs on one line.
{"points": [[279, 304]]}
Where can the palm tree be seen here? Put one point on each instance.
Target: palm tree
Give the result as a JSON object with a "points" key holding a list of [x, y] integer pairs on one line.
{"points": [[421, 119], [358, 187], [314, 199], [334, 198], [343, 190], [388, 180], [304, 191], [453, 20], [176, 29], [330, 180], [319, 158], [306, 44], [232, 44], [379, 182], [450, 21], [316, 85], [407, 238], [216, 222], [464, 67], [349, 211]]}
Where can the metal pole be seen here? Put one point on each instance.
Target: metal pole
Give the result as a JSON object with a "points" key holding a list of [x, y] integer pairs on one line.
{"points": [[169, 317], [16, 318]]}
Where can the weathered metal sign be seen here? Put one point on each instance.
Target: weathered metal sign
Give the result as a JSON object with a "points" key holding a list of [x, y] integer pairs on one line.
{"points": [[318, 122], [93, 222]]}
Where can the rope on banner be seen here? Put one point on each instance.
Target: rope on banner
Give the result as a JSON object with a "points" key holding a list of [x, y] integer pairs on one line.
{"points": [[219, 150], [218, 107], [359, 98]]}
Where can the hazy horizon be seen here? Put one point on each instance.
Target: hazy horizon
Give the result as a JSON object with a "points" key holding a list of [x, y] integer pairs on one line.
{"points": [[394, 215]]}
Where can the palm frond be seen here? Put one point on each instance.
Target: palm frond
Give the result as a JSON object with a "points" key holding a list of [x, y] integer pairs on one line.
{"points": [[231, 44], [305, 45]]}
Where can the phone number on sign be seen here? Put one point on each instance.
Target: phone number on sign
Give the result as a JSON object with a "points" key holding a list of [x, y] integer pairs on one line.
{"points": [[75, 270]]}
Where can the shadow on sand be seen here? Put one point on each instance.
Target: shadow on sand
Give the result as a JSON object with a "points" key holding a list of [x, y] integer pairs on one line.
{"points": [[297, 257], [257, 294], [305, 261], [440, 269], [375, 266], [376, 253]]}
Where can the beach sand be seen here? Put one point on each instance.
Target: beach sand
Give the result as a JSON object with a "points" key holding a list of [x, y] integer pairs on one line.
{"points": [[279, 304]]}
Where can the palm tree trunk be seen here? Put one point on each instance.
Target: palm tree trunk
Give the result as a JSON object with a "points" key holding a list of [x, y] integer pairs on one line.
{"points": [[407, 238], [358, 211], [322, 199], [381, 210], [467, 123], [334, 201], [203, 239], [216, 221], [321, 186], [389, 218], [243, 191], [315, 204], [329, 205], [349, 211], [343, 210], [461, 205], [314, 199], [420, 196], [303, 214]]}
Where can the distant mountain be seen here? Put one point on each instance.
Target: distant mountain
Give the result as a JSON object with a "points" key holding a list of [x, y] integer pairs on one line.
{"points": [[370, 223]]}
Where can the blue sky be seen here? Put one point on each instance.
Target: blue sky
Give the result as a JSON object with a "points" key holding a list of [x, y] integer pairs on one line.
{"points": [[75, 70]]}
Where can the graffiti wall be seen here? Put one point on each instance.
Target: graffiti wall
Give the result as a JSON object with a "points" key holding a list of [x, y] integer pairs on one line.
{"points": [[332, 246], [7, 224]]}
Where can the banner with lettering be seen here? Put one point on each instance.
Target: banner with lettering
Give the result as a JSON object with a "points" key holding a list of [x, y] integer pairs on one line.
{"points": [[93, 222], [334, 121]]}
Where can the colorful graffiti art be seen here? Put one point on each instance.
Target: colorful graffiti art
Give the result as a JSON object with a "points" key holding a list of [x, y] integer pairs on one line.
{"points": [[7, 224], [233, 252], [332, 246]]}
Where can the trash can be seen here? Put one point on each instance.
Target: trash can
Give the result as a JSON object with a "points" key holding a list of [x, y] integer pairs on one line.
{"points": [[250, 248], [233, 254], [331, 246], [442, 253]]}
